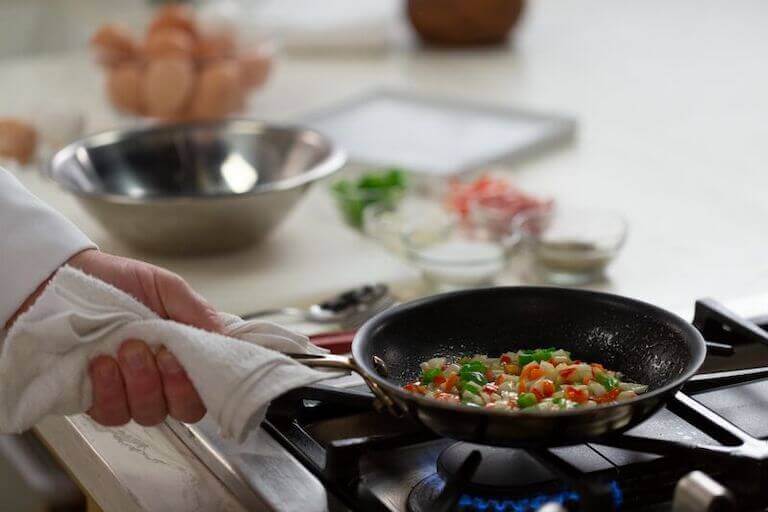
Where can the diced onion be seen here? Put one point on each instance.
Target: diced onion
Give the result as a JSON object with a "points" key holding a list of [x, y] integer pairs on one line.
{"points": [[631, 386], [471, 397], [596, 388], [548, 369], [626, 395], [435, 362]]}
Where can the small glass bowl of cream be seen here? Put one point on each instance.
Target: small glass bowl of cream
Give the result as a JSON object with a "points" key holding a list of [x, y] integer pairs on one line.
{"points": [[455, 254]]}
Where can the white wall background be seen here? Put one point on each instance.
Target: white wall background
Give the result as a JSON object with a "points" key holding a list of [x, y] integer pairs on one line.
{"points": [[35, 27], [31, 27]]}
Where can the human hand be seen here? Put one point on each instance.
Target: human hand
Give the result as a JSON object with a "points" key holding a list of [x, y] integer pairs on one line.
{"points": [[138, 384]]}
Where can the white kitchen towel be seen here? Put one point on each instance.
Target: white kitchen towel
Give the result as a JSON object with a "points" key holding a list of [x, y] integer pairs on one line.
{"points": [[44, 357]]}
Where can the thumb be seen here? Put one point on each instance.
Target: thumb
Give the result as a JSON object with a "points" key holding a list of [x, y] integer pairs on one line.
{"points": [[183, 304]]}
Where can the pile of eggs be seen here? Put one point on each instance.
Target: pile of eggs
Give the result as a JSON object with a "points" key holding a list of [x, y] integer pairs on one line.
{"points": [[181, 70]]}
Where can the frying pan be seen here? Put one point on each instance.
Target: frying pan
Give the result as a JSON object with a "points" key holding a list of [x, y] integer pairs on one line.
{"points": [[647, 344]]}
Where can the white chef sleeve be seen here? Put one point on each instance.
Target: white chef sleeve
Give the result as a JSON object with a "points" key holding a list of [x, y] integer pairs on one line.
{"points": [[34, 241]]}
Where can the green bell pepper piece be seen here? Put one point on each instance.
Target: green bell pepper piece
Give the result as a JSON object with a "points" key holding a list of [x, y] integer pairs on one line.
{"points": [[608, 382], [473, 371], [538, 355], [429, 375], [472, 387], [526, 400]]}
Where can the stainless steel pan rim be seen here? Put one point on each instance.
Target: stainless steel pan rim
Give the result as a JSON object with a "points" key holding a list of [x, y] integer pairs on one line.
{"points": [[335, 160]]}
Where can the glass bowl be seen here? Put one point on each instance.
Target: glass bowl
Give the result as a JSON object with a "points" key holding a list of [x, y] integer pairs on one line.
{"points": [[571, 246], [497, 213], [455, 255], [414, 214]]}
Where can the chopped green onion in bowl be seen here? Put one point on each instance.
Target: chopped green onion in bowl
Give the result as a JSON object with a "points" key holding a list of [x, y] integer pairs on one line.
{"points": [[353, 196]]}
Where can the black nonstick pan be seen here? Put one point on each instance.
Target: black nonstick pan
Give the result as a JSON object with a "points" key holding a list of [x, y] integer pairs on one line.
{"points": [[648, 344]]}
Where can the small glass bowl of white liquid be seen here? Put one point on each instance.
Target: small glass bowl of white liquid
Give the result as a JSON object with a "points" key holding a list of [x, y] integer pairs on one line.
{"points": [[420, 217], [458, 256]]}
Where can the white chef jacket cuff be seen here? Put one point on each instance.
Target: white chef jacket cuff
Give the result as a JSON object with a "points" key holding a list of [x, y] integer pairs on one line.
{"points": [[35, 240]]}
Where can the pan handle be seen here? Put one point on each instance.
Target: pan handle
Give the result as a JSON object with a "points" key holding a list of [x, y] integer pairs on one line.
{"points": [[719, 349], [347, 363], [707, 381]]}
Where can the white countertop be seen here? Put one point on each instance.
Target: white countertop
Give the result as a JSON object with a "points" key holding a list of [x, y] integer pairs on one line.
{"points": [[671, 104]]}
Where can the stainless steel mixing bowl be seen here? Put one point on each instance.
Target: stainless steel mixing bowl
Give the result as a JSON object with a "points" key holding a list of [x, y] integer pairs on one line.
{"points": [[197, 187]]}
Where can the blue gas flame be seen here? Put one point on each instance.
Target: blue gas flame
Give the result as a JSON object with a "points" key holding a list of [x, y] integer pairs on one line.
{"points": [[471, 503]]}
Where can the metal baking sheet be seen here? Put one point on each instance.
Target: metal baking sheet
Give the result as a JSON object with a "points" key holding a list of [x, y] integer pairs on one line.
{"points": [[437, 136]]}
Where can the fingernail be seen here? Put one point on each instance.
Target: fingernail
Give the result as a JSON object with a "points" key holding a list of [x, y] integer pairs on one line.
{"points": [[106, 371], [136, 358], [168, 363]]}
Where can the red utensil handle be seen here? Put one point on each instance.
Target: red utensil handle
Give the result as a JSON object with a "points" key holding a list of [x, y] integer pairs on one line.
{"points": [[339, 342]]}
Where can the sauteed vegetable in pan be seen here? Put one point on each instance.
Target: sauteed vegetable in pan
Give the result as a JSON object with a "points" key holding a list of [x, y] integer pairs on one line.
{"points": [[540, 379]]}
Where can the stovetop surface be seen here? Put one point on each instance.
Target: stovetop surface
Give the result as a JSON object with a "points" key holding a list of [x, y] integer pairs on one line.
{"points": [[296, 451]]}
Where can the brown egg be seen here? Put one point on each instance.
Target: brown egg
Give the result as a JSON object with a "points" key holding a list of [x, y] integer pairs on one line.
{"points": [[112, 45], [169, 42], [18, 140], [167, 85], [216, 45], [254, 68], [218, 90], [174, 16], [124, 87]]}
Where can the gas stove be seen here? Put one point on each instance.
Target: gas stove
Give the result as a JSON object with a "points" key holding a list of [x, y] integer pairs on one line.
{"points": [[325, 448]]}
